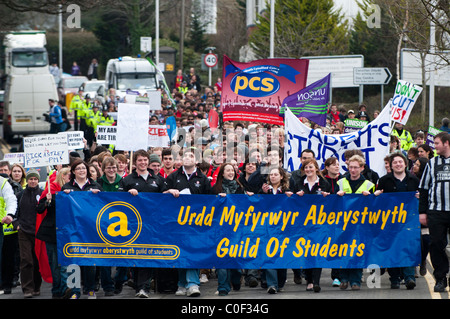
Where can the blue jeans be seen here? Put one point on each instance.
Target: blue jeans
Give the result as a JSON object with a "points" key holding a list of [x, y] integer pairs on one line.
{"points": [[89, 278], [188, 277], [59, 273], [408, 273], [276, 277], [228, 277], [353, 276]]}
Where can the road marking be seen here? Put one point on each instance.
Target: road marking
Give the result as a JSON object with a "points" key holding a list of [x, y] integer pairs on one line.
{"points": [[430, 281]]}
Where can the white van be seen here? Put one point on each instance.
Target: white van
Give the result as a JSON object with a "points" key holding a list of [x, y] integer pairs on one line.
{"points": [[26, 100], [128, 73]]}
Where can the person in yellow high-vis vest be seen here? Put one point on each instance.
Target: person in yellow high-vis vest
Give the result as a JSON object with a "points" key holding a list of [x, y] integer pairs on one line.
{"points": [[86, 105], [406, 139], [354, 183], [75, 107], [8, 208], [92, 119]]}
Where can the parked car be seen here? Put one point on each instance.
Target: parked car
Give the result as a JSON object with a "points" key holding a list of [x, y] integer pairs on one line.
{"points": [[69, 84]]}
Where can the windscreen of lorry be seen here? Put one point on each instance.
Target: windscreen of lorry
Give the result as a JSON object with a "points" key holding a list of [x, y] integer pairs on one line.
{"points": [[136, 81], [29, 58]]}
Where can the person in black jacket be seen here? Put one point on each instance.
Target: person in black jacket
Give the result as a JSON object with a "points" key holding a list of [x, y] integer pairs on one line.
{"points": [[188, 180], [332, 174], [277, 183], [80, 180], [47, 233], [399, 180], [312, 182], [27, 201], [140, 180], [227, 184], [247, 169]]}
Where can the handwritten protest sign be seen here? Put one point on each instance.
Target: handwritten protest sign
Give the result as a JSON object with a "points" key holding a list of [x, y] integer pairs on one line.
{"points": [[74, 139], [132, 127], [405, 96], [106, 135], [158, 136], [14, 158], [45, 150]]}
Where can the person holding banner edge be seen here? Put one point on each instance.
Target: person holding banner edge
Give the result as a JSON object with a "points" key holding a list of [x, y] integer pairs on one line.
{"points": [[354, 183], [80, 180], [277, 183], [142, 179], [399, 180], [434, 207], [228, 184], [189, 180], [312, 182]]}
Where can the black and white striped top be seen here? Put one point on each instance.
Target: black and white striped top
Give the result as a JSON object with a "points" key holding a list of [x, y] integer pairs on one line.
{"points": [[436, 180]]}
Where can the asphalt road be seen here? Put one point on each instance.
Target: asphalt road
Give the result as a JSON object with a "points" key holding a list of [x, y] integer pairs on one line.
{"points": [[380, 289]]}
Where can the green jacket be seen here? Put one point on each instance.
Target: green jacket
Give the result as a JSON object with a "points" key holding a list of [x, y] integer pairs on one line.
{"points": [[107, 186]]}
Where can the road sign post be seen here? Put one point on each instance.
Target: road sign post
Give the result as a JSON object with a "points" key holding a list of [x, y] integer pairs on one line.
{"points": [[210, 61], [372, 76]]}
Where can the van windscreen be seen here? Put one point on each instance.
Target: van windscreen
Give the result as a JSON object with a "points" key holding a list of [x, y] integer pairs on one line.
{"points": [[136, 81], [29, 58]]}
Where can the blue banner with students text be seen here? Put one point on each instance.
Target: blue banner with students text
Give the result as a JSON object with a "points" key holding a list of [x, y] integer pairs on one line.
{"points": [[238, 231]]}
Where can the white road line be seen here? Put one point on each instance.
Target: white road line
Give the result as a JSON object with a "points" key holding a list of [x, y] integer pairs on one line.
{"points": [[430, 282]]}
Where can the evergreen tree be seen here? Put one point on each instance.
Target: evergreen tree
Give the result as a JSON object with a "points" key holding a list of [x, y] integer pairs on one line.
{"points": [[198, 40]]}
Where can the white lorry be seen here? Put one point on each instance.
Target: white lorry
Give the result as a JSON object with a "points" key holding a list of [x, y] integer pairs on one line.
{"points": [[128, 73], [29, 84]]}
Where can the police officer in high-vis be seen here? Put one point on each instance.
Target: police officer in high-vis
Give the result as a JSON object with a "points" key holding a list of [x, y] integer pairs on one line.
{"points": [[75, 106], [406, 139], [354, 183], [83, 112], [92, 118]]}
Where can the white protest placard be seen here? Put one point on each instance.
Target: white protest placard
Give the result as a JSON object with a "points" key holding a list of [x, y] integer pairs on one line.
{"points": [[45, 150], [132, 127], [405, 96], [372, 140], [154, 98], [158, 136], [15, 158], [74, 139], [106, 135]]}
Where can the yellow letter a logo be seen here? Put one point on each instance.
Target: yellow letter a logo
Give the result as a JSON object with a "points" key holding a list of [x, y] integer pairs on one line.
{"points": [[121, 225]]}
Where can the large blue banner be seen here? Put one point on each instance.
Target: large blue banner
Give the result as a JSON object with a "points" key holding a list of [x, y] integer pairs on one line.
{"points": [[238, 231]]}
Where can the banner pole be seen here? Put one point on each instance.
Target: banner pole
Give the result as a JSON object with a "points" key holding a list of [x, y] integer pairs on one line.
{"points": [[48, 181], [131, 162]]}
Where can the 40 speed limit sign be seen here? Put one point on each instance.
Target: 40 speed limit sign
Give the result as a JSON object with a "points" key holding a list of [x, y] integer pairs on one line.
{"points": [[210, 60]]}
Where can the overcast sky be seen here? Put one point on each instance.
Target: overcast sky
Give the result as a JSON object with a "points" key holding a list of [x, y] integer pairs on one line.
{"points": [[349, 7]]}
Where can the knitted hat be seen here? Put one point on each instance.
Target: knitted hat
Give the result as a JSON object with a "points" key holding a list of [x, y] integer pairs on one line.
{"points": [[32, 173], [154, 158]]}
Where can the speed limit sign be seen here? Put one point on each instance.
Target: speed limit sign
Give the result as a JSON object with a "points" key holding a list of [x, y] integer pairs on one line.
{"points": [[210, 60]]}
